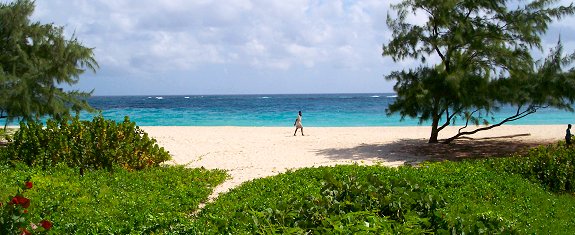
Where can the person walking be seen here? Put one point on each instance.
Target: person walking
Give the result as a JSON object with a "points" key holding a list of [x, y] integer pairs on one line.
{"points": [[568, 135], [298, 124]]}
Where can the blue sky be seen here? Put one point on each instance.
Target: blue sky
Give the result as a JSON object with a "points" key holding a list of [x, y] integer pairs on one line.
{"points": [[189, 47]]}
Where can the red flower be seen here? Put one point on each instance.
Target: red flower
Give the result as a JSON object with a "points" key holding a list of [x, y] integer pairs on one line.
{"points": [[29, 184], [19, 200], [25, 211], [46, 224], [24, 231]]}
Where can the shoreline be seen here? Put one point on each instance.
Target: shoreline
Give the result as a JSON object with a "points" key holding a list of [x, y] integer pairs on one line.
{"points": [[247, 153], [306, 126]]}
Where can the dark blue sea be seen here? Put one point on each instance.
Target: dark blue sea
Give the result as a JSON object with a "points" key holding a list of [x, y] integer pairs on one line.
{"points": [[319, 110]]}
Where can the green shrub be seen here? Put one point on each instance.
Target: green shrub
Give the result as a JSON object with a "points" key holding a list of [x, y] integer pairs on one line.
{"points": [[3, 134], [552, 166], [156, 200], [96, 144], [14, 215], [443, 198], [352, 205]]}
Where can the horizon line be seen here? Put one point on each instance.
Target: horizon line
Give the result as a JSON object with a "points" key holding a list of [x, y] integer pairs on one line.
{"points": [[251, 94]]}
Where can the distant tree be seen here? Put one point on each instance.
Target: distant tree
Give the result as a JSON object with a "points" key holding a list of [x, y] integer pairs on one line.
{"points": [[483, 49], [35, 59]]}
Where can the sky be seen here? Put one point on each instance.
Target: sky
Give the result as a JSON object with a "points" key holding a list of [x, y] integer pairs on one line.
{"points": [[200, 47]]}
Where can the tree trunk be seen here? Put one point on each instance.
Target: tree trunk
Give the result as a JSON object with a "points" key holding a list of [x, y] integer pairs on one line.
{"points": [[434, 130]]}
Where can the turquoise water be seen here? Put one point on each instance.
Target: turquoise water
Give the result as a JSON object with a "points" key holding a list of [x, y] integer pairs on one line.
{"points": [[319, 110]]}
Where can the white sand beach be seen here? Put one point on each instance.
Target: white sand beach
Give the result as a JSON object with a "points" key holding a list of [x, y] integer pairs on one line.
{"points": [[248, 153]]}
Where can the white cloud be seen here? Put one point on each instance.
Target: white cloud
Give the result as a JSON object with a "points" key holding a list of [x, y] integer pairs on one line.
{"points": [[291, 33], [151, 37]]}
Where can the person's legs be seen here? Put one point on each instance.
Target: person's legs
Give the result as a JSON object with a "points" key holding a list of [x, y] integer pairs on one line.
{"points": [[299, 127]]}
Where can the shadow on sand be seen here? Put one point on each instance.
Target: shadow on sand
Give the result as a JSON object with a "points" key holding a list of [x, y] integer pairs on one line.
{"points": [[413, 151]]}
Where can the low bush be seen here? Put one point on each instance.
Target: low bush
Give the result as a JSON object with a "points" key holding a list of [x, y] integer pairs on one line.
{"points": [[352, 206], [553, 166], [96, 144], [443, 198], [3, 134], [151, 201], [15, 218]]}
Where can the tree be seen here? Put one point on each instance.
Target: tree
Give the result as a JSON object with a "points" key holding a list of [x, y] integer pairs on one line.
{"points": [[483, 49], [35, 59]]}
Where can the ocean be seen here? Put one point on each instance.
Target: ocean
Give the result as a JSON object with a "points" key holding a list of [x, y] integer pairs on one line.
{"points": [[319, 110]]}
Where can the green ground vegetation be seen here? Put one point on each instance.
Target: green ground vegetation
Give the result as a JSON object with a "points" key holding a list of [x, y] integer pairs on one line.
{"points": [[154, 200], [100, 177], [517, 195], [528, 193]]}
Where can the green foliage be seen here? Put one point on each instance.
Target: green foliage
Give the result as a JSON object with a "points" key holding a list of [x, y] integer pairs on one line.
{"points": [[14, 215], [35, 59], [484, 50], [96, 144], [493, 196], [553, 166], [441, 198], [6, 133], [223, 216], [351, 206], [152, 201]]}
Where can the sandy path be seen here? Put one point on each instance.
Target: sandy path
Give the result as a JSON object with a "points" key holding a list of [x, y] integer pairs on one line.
{"points": [[248, 153]]}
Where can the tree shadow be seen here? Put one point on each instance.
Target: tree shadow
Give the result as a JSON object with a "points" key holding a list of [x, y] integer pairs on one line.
{"points": [[413, 151]]}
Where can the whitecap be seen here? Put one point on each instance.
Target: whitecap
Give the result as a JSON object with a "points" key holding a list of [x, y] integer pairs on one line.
{"points": [[159, 97], [392, 96], [374, 96], [187, 97], [264, 97]]}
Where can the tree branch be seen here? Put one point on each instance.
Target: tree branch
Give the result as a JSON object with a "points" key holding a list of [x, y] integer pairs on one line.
{"points": [[448, 119], [518, 115], [437, 48], [467, 121]]}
